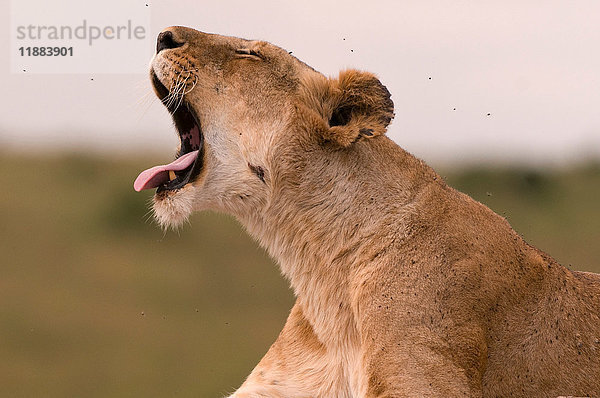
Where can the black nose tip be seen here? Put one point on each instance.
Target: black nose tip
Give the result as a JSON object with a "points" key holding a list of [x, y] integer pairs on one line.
{"points": [[165, 40]]}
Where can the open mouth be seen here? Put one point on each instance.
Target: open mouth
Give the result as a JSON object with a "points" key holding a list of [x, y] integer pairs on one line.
{"points": [[189, 159]]}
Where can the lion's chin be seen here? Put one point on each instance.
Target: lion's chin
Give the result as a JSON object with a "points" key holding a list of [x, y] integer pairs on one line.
{"points": [[173, 208]]}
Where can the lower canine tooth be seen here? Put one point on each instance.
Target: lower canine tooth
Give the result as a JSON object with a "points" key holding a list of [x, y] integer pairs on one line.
{"points": [[171, 175]]}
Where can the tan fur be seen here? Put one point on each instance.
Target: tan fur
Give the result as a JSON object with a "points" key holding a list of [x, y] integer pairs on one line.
{"points": [[405, 287]]}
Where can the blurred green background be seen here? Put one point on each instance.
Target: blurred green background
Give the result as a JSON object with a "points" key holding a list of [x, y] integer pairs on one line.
{"points": [[96, 301]]}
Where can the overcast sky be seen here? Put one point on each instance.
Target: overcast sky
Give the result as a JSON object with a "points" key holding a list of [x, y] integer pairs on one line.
{"points": [[471, 80]]}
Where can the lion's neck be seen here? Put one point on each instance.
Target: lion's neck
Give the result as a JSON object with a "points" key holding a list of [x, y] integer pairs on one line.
{"points": [[323, 235], [318, 265]]}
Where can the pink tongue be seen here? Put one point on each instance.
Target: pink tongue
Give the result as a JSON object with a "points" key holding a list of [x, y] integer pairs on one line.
{"points": [[158, 175]]}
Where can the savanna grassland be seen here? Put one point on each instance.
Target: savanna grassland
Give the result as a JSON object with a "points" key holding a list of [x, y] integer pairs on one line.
{"points": [[96, 301]]}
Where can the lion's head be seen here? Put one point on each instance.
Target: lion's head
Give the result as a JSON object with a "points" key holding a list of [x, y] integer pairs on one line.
{"points": [[236, 105]]}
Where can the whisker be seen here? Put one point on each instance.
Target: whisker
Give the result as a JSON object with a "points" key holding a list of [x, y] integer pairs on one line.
{"points": [[167, 100], [181, 90], [193, 85], [181, 95], [180, 87], [176, 91], [148, 101]]}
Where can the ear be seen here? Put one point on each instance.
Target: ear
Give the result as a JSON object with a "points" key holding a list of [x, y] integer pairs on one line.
{"points": [[360, 107]]}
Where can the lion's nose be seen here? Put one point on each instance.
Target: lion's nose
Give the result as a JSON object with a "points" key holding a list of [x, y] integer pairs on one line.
{"points": [[166, 40]]}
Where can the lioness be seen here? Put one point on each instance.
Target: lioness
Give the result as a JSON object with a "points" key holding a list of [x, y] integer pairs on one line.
{"points": [[405, 287]]}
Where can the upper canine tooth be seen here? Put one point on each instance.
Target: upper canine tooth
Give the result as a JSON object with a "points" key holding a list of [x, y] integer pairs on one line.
{"points": [[171, 175]]}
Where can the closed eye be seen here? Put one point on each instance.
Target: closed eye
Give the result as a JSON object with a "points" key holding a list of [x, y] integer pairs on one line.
{"points": [[248, 53]]}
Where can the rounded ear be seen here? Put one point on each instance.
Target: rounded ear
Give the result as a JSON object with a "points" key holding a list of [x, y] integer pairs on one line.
{"points": [[360, 107]]}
